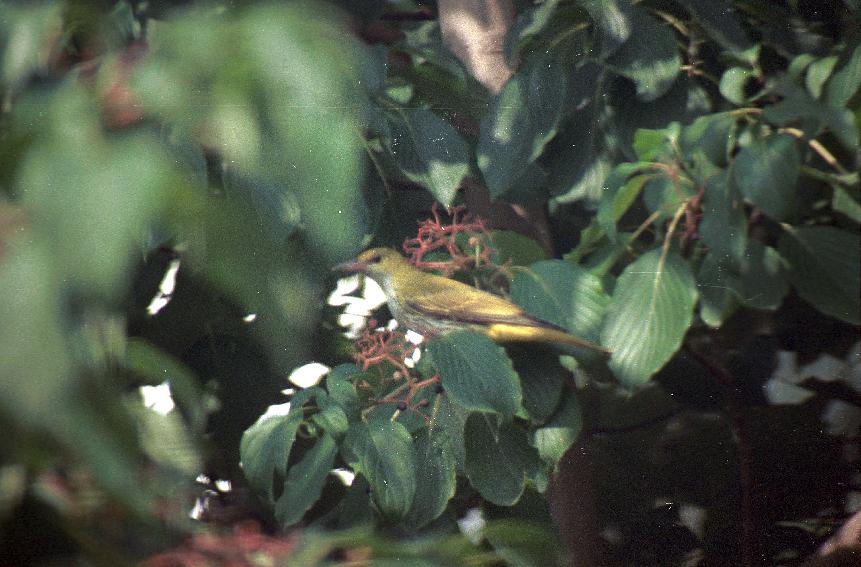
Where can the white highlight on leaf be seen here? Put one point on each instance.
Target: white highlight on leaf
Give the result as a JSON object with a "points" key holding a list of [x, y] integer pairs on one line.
{"points": [[165, 288], [472, 525], [158, 398], [308, 375], [345, 476]]}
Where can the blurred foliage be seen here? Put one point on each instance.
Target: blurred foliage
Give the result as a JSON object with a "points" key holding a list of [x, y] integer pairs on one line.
{"points": [[177, 178]]}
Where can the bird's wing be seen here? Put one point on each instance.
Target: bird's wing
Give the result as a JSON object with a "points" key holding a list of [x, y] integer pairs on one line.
{"points": [[465, 304]]}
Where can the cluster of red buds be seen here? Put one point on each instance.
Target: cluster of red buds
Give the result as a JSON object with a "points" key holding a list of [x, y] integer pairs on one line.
{"points": [[378, 348], [436, 235]]}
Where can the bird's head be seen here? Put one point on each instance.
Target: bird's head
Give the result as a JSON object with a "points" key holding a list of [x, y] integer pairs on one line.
{"points": [[379, 264]]}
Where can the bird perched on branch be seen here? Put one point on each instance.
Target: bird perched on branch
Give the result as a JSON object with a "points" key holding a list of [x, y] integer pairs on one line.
{"points": [[433, 305]]}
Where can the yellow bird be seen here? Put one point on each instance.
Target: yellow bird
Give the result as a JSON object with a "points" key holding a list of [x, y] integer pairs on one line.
{"points": [[433, 305]]}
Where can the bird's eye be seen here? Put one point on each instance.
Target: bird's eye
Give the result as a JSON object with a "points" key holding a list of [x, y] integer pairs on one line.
{"points": [[375, 259]]}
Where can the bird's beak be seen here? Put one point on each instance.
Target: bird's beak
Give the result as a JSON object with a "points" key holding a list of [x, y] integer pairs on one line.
{"points": [[351, 267]]}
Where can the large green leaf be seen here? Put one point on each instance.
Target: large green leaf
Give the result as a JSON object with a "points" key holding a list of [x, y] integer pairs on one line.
{"points": [[476, 372], [847, 202], [522, 118], [823, 266], [155, 364], [35, 360], [296, 123], [383, 453], [542, 379], [429, 151], [561, 293], [555, 437], [719, 19], [713, 134], [265, 449], [846, 80], [435, 476], [92, 199], [341, 389], [305, 480], [621, 189], [498, 458], [762, 284], [717, 285], [651, 310], [766, 173], [800, 110], [724, 225], [613, 22], [649, 57]]}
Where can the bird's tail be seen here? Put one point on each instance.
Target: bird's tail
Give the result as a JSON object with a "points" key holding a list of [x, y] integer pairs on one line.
{"points": [[511, 333]]}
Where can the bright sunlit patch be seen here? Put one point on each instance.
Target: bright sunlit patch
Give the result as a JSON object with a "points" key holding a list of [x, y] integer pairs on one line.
{"points": [[357, 309], [276, 411], [308, 375], [472, 525], [165, 288], [158, 398], [345, 476], [250, 318], [223, 485]]}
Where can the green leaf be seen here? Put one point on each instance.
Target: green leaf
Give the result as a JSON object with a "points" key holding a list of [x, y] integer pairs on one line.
{"points": [[846, 80], [762, 284], [498, 459], [523, 544], [650, 312], [553, 439], [843, 201], [476, 372], [817, 73], [613, 22], [33, 336], [130, 177], [766, 173], [265, 449], [561, 293], [799, 109], [520, 250], [649, 57], [145, 358], [383, 453], [823, 266], [429, 151], [661, 193], [305, 480], [621, 189], [724, 225], [654, 144], [331, 417], [719, 19], [522, 118], [529, 23], [713, 134], [734, 84], [435, 477], [341, 389], [542, 379], [717, 285]]}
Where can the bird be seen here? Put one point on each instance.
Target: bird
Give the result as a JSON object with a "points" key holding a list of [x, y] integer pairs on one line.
{"points": [[433, 305]]}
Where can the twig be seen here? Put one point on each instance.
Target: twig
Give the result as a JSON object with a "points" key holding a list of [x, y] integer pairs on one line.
{"points": [[817, 147]]}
